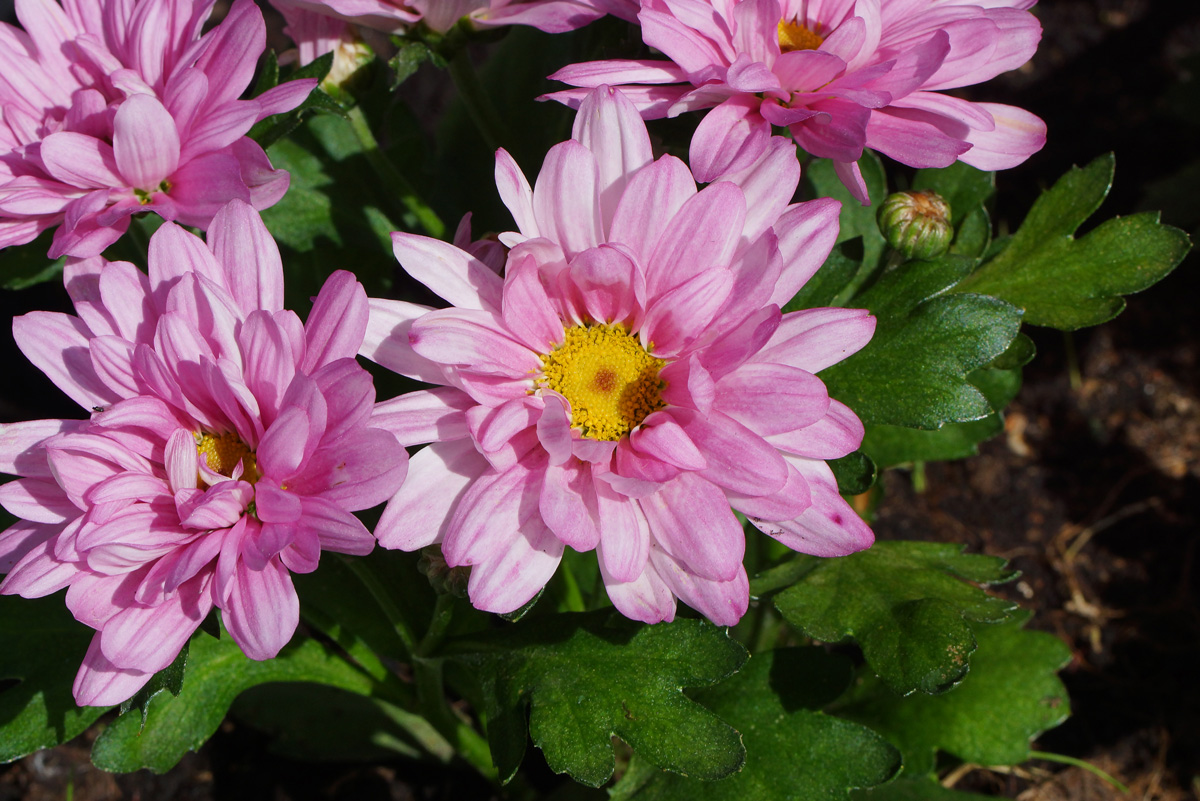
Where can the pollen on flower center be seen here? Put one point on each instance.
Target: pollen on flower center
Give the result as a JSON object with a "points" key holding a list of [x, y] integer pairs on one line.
{"points": [[794, 36], [607, 376], [222, 452]]}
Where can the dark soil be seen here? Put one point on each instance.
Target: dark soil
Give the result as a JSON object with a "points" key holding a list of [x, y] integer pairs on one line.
{"points": [[1092, 492]]}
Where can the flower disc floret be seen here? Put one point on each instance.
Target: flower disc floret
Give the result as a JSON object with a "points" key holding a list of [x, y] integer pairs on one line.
{"points": [[795, 35], [610, 380], [223, 452]]}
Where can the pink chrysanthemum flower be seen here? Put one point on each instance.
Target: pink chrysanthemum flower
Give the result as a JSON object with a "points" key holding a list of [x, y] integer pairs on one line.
{"points": [[627, 381], [111, 108], [228, 445], [841, 75]]}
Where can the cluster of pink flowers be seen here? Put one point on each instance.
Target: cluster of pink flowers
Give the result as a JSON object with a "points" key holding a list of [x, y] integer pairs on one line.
{"points": [[228, 445], [841, 76], [615, 375], [111, 109]]}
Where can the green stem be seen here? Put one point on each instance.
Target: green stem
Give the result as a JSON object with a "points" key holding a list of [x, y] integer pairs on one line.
{"points": [[1073, 373], [360, 569], [431, 701], [479, 106], [443, 613], [1079, 763], [918, 477], [412, 202], [572, 595]]}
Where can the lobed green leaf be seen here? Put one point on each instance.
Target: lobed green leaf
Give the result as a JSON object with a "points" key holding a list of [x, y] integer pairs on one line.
{"points": [[793, 751], [588, 677], [921, 788], [906, 604], [43, 648], [856, 220], [1011, 695], [1068, 283], [914, 371], [217, 672], [892, 445]]}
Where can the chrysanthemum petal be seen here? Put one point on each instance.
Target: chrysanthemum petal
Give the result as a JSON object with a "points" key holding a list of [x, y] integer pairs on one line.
{"points": [[262, 610], [692, 521], [419, 513]]}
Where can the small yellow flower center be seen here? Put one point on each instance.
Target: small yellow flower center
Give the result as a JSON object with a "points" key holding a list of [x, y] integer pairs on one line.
{"points": [[222, 452], [794, 36], [607, 376]]}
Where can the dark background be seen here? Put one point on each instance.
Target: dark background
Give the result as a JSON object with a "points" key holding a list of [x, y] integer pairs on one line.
{"points": [[1091, 492]]}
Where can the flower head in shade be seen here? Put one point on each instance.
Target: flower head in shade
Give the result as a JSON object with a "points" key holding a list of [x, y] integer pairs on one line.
{"points": [[112, 108], [395, 16], [628, 383], [841, 75], [227, 447]]}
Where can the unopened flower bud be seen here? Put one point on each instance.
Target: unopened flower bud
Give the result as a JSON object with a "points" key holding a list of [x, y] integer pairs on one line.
{"points": [[350, 58], [916, 223], [443, 578]]}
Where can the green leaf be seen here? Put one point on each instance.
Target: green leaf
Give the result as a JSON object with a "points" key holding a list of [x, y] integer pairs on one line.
{"points": [[856, 219], [905, 604], [893, 445], [1068, 283], [43, 648], [855, 473], [169, 679], [974, 235], [1010, 696], [270, 130], [792, 750], [27, 265], [587, 677], [914, 371], [823, 289], [217, 672], [921, 788], [318, 722], [329, 219], [409, 57]]}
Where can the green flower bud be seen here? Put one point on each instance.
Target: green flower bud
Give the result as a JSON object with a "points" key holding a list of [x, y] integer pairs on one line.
{"points": [[917, 224], [443, 578]]}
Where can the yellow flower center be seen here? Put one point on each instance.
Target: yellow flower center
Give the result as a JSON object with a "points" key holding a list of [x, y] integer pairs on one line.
{"points": [[222, 452], [610, 380], [794, 36]]}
